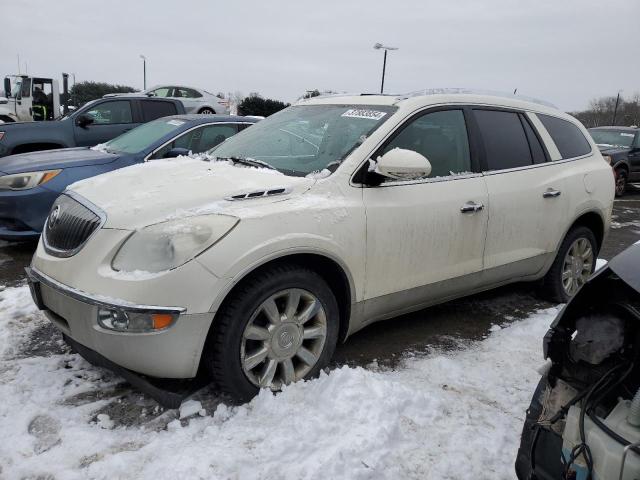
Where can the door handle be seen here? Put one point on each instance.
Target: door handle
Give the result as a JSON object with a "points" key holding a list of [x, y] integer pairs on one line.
{"points": [[551, 193], [471, 207]]}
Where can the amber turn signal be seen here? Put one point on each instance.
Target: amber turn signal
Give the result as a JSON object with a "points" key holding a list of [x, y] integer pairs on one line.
{"points": [[161, 320]]}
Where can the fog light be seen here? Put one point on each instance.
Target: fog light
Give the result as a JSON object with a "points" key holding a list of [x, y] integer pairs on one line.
{"points": [[134, 322]]}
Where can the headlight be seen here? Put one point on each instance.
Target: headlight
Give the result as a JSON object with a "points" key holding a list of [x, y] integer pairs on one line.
{"points": [[168, 245], [27, 180]]}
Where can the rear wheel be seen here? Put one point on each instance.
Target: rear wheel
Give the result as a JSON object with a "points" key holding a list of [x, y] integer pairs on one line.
{"points": [[207, 111], [573, 265], [621, 181], [278, 327]]}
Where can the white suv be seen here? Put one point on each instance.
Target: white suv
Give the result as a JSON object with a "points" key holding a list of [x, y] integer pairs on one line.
{"points": [[323, 218]]}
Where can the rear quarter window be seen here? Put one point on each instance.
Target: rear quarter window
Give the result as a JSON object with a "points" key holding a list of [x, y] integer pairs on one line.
{"points": [[152, 110], [567, 137]]}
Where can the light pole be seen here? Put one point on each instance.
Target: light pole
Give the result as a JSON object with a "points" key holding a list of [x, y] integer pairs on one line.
{"points": [[615, 110], [144, 71], [379, 46]]}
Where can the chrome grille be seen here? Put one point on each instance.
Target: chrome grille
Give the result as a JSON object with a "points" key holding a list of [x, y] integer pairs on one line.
{"points": [[68, 226]]}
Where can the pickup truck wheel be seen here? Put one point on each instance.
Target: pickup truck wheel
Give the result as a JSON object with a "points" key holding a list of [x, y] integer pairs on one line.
{"points": [[207, 111], [278, 327], [621, 181], [573, 265]]}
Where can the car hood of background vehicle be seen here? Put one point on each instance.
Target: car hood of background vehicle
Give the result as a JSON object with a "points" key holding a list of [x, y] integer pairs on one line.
{"points": [[612, 150], [626, 265], [161, 190], [52, 159]]}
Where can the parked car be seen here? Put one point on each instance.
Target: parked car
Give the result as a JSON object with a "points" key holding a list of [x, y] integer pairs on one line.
{"points": [[95, 122], [585, 412], [30, 182], [195, 100], [315, 222], [620, 146]]}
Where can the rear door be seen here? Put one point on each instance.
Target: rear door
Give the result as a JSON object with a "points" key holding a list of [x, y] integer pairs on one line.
{"points": [[425, 238], [154, 109], [110, 119], [528, 205], [634, 158]]}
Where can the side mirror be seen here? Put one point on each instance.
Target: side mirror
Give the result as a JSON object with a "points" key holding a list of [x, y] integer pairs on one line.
{"points": [[401, 164], [3, 100], [176, 152], [84, 120], [7, 87]]}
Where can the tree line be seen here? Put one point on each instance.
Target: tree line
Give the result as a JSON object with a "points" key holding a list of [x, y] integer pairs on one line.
{"points": [[602, 111]]}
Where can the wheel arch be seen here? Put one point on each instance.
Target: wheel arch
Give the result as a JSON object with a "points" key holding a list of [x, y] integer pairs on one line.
{"points": [[622, 164], [335, 273], [593, 221], [34, 147]]}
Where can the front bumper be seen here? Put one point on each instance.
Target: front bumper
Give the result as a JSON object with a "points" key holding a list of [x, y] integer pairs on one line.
{"points": [[23, 213], [170, 353]]}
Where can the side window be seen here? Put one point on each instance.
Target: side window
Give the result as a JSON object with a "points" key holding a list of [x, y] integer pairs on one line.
{"points": [[25, 91], [537, 151], [567, 137], [504, 138], [213, 135], [439, 136], [180, 92], [161, 92], [189, 140], [157, 109], [191, 93], [106, 113]]}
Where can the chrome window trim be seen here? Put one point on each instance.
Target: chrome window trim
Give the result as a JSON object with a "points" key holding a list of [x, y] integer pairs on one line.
{"points": [[36, 275], [147, 158], [537, 165], [420, 181], [56, 252]]}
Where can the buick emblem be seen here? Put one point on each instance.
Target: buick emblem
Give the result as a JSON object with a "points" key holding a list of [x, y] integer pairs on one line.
{"points": [[54, 216], [286, 339]]}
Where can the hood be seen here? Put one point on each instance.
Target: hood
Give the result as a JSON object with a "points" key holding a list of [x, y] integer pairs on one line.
{"points": [[627, 266], [160, 190], [612, 150], [51, 159]]}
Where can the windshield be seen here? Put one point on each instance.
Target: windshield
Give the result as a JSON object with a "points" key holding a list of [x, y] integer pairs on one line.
{"points": [[142, 137], [306, 138], [612, 138]]}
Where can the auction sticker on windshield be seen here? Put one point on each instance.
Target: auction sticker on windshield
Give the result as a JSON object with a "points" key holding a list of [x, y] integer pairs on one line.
{"points": [[362, 113], [177, 123]]}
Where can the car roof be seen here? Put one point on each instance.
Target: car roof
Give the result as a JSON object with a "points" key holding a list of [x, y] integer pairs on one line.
{"points": [[609, 127], [199, 118], [440, 96]]}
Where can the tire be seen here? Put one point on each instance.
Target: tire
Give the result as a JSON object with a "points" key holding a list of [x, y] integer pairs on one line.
{"points": [[207, 111], [238, 332], [621, 177], [553, 286]]}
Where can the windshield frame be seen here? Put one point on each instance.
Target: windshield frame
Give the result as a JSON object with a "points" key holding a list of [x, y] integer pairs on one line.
{"points": [[335, 120]]}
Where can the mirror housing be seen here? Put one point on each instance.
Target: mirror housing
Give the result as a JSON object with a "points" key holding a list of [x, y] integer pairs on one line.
{"points": [[176, 152], [7, 87], [401, 164], [83, 120], [3, 100]]}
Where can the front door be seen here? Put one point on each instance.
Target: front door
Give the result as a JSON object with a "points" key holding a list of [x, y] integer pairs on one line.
{"points": [[110, 119], [425, 238]]}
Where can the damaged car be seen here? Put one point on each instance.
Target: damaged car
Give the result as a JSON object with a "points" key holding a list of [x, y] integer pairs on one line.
{"points": [[584, 418]]}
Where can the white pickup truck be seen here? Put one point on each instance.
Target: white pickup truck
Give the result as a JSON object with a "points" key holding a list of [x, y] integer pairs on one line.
{"points": [[30, 98]]}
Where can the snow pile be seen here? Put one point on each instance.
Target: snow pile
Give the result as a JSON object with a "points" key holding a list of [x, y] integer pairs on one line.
{"points": [[439, 416], [101, 147]]}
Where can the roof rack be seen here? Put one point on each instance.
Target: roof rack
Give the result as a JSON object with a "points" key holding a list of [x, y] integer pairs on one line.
{"points": [[471, 91]]}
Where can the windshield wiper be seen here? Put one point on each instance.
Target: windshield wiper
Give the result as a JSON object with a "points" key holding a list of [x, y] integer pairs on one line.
{"points": [[252, 162]]}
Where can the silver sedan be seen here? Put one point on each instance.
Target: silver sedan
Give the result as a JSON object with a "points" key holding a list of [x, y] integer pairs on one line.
{"points": [[195, 100]]}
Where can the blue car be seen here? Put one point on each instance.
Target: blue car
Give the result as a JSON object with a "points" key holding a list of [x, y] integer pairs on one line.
{"points": [[30, 182]]}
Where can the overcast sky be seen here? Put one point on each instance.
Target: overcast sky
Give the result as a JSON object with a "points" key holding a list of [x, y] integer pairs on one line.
{"points": [[563, 51]]}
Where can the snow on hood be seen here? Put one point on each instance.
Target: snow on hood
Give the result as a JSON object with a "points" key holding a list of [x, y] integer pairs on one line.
{"points": [[155, 191]]}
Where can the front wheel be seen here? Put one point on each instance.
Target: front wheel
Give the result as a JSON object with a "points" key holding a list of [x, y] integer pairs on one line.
{"points": [[573, 265], [278, 327], [207, 111]]}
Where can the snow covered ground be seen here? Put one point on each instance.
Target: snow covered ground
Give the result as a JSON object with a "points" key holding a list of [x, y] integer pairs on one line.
{"points": [[445, 415]]}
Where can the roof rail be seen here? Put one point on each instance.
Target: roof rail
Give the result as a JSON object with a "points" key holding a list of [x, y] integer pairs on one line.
{"points": [[472, 91]]}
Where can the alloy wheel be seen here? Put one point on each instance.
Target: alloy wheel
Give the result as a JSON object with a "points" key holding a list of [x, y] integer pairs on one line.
{"points": [[283, 339], [577, 266]]}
